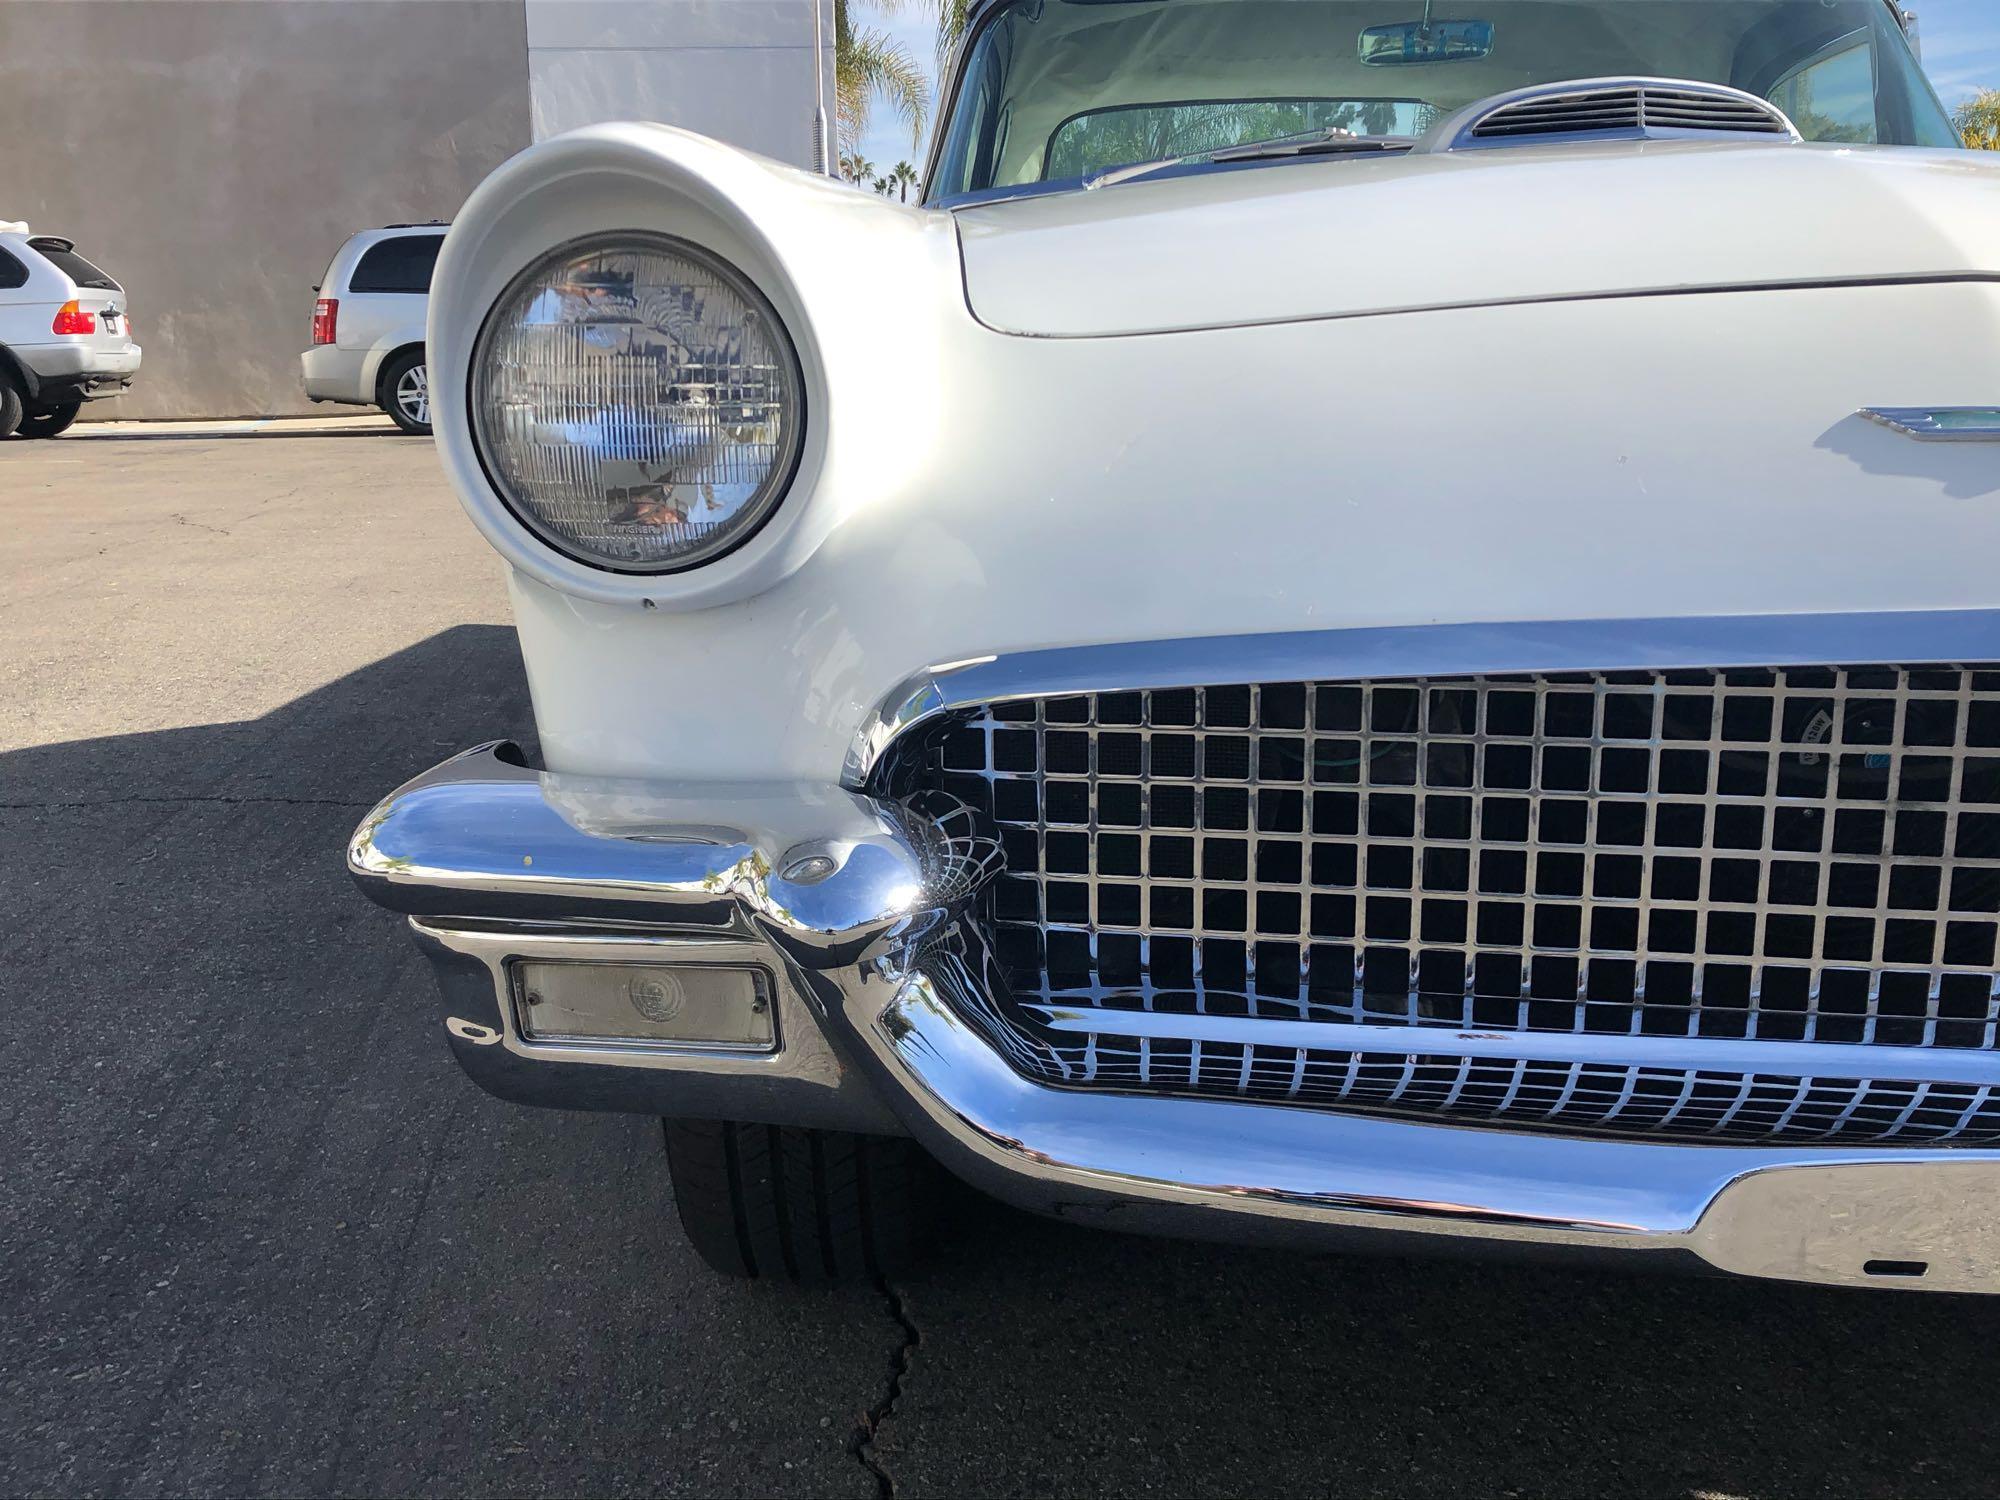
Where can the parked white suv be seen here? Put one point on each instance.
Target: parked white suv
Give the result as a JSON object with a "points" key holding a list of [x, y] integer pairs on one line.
{"points": [[64, 335], [368, 324]]}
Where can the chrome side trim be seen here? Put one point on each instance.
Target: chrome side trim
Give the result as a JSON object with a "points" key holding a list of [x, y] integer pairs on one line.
{"points": [[1907, 637], [1940, 424], [1225, 1170], [1877, 1064]]}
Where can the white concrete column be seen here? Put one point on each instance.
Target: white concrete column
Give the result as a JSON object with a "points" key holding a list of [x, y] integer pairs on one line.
{"points": [[739, 70]]}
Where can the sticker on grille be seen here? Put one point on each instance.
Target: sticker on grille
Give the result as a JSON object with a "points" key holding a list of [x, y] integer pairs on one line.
{"points": [[1805, 854]]}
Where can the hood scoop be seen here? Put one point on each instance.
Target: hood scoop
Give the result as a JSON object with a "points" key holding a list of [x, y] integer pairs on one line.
{"points": [[1620, 109]]}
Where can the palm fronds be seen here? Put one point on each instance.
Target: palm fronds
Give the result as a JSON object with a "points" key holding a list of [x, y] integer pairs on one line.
{"points": [[868, 62], [1978, 120]]}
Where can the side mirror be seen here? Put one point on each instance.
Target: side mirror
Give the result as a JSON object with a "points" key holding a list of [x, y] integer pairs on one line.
{"points": [[1408, 42]]}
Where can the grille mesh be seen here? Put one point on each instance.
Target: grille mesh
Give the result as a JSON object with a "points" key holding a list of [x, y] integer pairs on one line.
{"points": [[1805, 854]]}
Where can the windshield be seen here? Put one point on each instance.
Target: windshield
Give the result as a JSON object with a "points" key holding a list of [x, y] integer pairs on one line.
{"points": [[1056, 90]]}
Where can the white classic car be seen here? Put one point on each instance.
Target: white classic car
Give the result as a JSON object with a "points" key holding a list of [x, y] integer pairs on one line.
{"points": [[1367, 628]]}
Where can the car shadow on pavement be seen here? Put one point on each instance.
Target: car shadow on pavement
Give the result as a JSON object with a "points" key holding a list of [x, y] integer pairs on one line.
{"points": [[258, 1235], [85, 433]]}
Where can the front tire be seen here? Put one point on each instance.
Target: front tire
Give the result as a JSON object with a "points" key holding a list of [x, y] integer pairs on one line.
{"points": [[812, 1206], [404, 392], [50, 422]]}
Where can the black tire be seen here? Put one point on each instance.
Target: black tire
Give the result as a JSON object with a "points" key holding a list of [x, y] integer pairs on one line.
{"points": [[812, 1206], [408, 409], [49, 422], [10, 407]]}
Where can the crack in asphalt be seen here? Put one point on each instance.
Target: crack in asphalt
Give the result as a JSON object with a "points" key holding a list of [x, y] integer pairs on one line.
{"points": [[861, 1443], [392, 1295]]}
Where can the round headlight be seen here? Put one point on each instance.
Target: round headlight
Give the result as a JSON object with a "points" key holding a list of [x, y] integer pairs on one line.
{"points": [[636, 403]]}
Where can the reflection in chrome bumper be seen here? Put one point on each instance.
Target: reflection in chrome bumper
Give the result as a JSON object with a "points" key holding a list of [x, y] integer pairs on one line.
{"points": [[1253, 1172], [860, 908]]}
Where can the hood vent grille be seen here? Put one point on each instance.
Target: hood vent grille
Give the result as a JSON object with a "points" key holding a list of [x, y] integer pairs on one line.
{"points": [[1618, 109]]}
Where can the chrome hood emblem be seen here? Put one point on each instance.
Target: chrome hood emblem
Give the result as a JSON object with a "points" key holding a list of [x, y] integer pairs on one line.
{"points": [[1940, 424]]}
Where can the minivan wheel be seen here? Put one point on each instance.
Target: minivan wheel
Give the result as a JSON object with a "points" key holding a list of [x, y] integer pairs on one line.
{"points": [[406, 393], [812, 1206], [49, 422], [10, 407]]}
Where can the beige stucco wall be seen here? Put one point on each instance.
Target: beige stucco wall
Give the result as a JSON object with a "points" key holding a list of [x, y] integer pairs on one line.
{"points": [[212, 155]]}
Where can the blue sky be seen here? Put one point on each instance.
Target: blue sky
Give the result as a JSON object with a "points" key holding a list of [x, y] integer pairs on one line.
{"points": [[1961, 41]]}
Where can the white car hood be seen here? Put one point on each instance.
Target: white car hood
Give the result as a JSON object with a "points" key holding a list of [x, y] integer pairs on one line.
{"points": [[1346, 237]]}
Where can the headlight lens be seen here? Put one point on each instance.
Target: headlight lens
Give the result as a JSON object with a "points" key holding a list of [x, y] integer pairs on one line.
{"points": [[636, 403]]}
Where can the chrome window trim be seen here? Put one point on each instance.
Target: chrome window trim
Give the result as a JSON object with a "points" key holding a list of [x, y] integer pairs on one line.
{"points": [[1861, 36], [1901, 637]]}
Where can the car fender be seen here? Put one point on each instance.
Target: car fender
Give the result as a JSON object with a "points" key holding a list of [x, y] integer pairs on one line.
{"points": [[12, 365], [384, 351]]}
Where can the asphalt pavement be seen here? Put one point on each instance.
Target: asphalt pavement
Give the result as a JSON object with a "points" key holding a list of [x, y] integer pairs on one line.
{"points": [[258, 1235]]}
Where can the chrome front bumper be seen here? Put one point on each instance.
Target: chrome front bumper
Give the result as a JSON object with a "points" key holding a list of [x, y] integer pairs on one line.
{"points": [[856, 910]]}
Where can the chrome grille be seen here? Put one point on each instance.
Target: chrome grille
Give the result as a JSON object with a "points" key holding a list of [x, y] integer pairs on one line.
{"points": [[1799, 855], [1627, 108]]}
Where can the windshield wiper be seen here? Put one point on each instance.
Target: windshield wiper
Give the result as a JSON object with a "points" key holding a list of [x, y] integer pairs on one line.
{"points": [[1333, 141]]}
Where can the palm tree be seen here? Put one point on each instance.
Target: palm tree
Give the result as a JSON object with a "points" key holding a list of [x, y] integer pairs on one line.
{"points": [[856, 168], [904, 177], [867, 62], [951, 26], [1978, 120]]}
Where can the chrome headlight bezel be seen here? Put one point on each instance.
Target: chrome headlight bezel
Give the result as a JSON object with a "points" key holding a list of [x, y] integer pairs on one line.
{"points": [[749, 519]]}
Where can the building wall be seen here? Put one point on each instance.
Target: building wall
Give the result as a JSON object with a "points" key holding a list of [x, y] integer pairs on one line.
{"points": [[213, 154], [739, 70]]}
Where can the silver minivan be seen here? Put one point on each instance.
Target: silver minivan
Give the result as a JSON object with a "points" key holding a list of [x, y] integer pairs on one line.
{"points": [[368, 324]]}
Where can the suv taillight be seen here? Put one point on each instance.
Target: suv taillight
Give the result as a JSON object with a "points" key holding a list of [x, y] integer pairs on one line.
{"points": [[70, 318], [326, 313]]}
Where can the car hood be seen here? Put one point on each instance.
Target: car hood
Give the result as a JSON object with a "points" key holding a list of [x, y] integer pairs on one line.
{"points": [[1342, 237]]}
